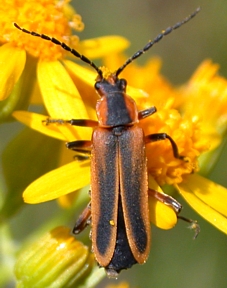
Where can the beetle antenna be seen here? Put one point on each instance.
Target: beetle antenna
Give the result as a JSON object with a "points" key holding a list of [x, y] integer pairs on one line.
{"points": [[156, 40], [64, 46]]}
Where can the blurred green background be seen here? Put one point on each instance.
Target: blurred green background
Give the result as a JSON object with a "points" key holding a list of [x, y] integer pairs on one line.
{"points": [[175, 260], [140, 21]]}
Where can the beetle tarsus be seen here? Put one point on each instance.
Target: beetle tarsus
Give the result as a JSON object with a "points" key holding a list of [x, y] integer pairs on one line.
{"points": [[83, 221], [193, 225], [54, 121]]}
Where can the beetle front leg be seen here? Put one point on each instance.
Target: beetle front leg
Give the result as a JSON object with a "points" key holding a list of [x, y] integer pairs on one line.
{"points": [[147, 112], [74, 122], [163, 136], [83, 122]]}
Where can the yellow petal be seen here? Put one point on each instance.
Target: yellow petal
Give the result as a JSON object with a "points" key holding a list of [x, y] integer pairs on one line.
{"points": [[12, 62], [136, 94], [34, 121], [102, 46], [88, 76], [120, 285], [207, 198], [211, 193], [66, 201], [25, 158], [161, 215], [208, 159], [58, 182], [85, 79], [61, 97]]}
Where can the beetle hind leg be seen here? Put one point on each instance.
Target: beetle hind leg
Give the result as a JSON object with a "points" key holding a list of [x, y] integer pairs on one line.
{"points": [[177, 207], [193, 225], [84, 220], [166, 199]]}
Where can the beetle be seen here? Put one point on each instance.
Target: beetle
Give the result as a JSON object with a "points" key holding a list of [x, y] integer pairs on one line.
{"points": [[118, 210]]}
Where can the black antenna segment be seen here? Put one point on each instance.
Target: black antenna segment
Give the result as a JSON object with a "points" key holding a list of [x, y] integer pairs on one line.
{"points": [[156, 40], [64, 46]]}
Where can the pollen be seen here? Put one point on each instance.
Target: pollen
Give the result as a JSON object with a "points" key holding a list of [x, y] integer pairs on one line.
{"points": [[54, 18], [106, 72], [186, 133]]}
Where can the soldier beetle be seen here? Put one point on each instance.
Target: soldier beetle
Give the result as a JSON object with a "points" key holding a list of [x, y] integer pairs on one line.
{"points": [[118, 210]]}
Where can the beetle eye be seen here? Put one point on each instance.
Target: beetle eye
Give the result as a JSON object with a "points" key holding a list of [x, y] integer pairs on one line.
{"points": [[97, 85], [123, 84]]}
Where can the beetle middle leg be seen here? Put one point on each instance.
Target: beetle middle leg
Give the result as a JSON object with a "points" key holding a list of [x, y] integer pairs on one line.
{"points": [[83, 146], [82, 149], [162, 136], [158, 136]]}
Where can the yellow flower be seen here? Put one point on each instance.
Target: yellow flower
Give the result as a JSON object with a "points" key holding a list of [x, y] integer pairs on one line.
{"points": [[31, 70], [208, 89], [185, 128], [19, 52], [63, 99]]}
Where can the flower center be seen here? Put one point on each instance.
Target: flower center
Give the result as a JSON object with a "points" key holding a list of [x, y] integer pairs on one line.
{"points": [[186, 132], [53, 18]]}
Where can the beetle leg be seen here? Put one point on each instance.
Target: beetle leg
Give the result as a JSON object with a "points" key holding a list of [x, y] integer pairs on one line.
{"points": [[74, 122], [168, 200], [147, 112], [193, 225], [83, 122], [83, 221], [81, 156], [82, 146], [54, 121], [163, 136]]}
